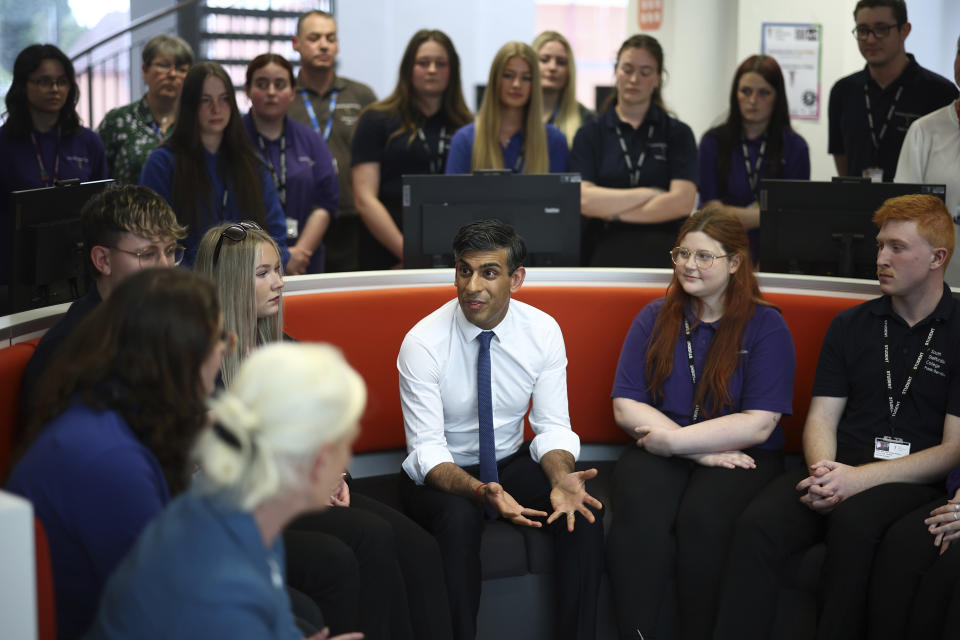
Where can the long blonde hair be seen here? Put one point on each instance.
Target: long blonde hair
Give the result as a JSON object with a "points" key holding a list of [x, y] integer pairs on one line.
{"points": [[568, 114], [487, 153], [234, 276]]}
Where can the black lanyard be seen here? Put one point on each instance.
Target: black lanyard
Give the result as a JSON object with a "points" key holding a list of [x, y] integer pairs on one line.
{"points": [[877, 139], [695, 414], [280, 181], [44, 176], [634, 172], [894, 408], [436, 161], [753, 173]]}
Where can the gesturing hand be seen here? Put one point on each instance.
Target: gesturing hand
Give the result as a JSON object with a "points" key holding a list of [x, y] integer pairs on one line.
{"points": [[570, 496], [497, 497]]}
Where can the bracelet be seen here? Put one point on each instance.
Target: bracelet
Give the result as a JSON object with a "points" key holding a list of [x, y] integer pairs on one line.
{"points": [[476, 491]]}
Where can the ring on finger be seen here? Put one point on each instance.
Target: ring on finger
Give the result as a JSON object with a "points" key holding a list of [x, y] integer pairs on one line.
{"points": [[956, 516]]}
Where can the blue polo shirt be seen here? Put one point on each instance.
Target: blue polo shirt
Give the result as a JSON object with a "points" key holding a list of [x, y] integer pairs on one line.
{"points": [[923, 91], [200, 570], [311, 180], [670, 153], [157, 174], [461, 150], [94, 486], [763, 379], [794, 165]]}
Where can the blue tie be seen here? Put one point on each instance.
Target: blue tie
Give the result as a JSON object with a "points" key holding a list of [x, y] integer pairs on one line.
{"points": [[488, 448]]}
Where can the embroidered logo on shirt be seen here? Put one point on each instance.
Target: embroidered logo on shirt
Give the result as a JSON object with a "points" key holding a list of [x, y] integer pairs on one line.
{"points": [[935, 363]]}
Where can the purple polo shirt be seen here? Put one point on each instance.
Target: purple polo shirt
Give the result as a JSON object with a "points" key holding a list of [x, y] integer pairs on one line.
{"points": [[763, 380], [461, 150], [81, 156], [311, 179], [795, 165], [953, 482]]}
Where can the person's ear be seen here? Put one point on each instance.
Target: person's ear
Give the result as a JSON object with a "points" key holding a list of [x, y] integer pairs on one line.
{"points": [[938, 258], [735, 261], [516, 278], [100, 256]]}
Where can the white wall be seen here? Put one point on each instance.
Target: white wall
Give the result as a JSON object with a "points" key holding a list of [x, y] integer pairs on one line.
{"points": [[704, 40], [374, 33], [18, 587]]}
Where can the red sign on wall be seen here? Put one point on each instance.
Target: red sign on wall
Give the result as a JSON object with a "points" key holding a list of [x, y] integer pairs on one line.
{"points": [[649, 14]]}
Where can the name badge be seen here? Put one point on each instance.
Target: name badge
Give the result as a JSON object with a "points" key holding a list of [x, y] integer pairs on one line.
{"points": [[293, 228], [874, 173], [887, 448]]}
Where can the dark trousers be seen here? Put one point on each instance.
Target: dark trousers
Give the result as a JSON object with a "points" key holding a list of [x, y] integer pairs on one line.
{"points": [[397, 573], [776, 525], [912, 584], [672, 523], [457, 523]]}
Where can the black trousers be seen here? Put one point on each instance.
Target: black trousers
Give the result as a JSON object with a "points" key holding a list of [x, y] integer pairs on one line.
{"points": [[457, 523], [672, 523], [777, 525], [912, 584], [390, 567]]}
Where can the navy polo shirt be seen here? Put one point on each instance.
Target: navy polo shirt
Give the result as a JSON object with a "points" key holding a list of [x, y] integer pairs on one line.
{"points": [[851, 366], [762, 381], [923, 91], [671, 154]]}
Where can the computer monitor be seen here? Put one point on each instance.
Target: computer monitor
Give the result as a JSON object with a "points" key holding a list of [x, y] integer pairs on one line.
{"points": [[544, 209], [825, 228], [47, 261]]}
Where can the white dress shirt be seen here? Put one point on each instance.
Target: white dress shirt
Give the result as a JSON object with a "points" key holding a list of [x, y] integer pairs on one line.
{"points": [[931, 155], [438, 387]]}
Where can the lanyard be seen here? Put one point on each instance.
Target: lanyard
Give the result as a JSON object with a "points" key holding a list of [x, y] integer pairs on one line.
{"points": [[877, 139], [753, 173], [436, 162], [279, 181], [313, 114], [44, 176], [894, 408], [634, 172], [693, 371]]}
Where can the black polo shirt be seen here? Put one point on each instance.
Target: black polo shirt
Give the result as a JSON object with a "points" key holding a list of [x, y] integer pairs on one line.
{"points": [[671, 154], [851, 366], [923, 91]]}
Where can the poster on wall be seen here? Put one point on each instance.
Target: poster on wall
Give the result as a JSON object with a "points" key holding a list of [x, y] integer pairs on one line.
{"points": [[796, 48]]}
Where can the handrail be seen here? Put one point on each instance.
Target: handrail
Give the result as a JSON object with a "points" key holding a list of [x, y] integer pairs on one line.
{"points": [[136, 24]]}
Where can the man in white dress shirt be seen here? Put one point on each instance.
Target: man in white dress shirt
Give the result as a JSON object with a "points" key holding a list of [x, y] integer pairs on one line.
{"points": [[931, 155], [534, 484]]}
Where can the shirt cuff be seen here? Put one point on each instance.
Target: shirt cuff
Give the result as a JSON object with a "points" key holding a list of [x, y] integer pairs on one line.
{"points": [[422, 459], [564, 439]]}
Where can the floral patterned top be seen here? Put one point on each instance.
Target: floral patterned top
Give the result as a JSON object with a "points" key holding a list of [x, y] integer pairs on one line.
{"points": [[129, 134]]}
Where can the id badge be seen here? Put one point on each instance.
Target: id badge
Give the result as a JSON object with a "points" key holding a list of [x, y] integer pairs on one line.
{"points": [[874, 173], [293, 228], [887, 448]]}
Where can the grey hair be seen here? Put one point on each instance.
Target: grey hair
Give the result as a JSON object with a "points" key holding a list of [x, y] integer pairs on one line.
{"points": [[165, 44], [288, 400]]}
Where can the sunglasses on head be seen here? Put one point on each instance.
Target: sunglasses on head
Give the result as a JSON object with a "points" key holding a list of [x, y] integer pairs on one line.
{"points": [[235, 232]]}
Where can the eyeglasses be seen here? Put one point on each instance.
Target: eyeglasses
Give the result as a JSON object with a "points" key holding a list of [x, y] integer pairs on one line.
{"points": [[235, 232], [166, 67], [46, 82], [150, 256], [704, 259], [879, 31]]}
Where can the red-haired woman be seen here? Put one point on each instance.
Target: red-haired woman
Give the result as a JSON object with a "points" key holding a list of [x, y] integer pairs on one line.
{"points": [[755, 142], [704, 375]]}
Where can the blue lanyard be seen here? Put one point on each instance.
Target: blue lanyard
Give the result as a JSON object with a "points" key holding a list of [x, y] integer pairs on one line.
{"points": [[313, 114]]}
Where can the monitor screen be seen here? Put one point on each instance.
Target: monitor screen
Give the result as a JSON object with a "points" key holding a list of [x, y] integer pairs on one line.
{"points": [[48, 264], [825, 228], [544, 209]]}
